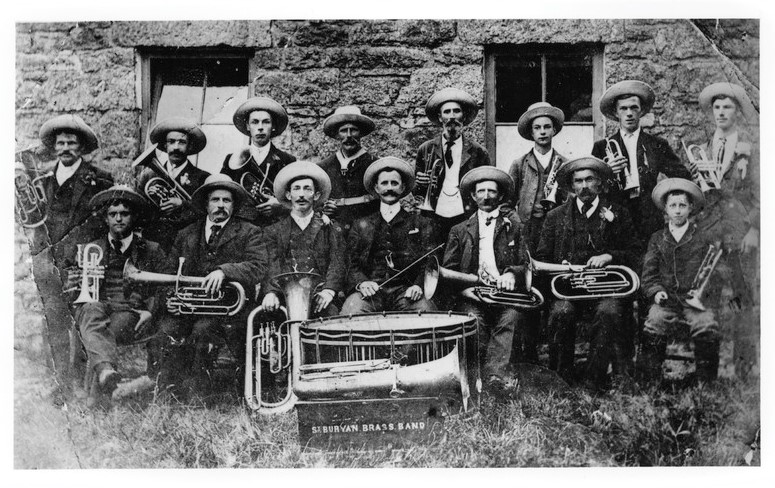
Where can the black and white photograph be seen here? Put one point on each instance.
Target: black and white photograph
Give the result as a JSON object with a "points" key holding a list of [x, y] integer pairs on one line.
{"points": [[397, 241]]}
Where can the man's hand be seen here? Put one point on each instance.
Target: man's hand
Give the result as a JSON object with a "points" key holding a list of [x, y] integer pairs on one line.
{"points": [[270, 207], [413, 293], [142, 322], [599, 261], [660, 297], [171, 204], [506, 281], [271, 302], [330, 208], [323, 299], [422, 179], [368, 288], [213, 281], [750, 241], [617, 165]]}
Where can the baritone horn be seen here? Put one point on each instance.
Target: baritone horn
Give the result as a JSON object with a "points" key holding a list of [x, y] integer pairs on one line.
{"points": [[707, 171], [162, 187], [624, 180], [578, 282], [189, 296], [89, 258], [29, 191], [702, 277]]}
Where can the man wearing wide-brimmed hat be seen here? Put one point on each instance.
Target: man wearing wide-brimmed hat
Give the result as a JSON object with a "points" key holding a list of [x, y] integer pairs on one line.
{"points": [[116, 312], [643, 156], [179, 138], [489, 244], [306, 240], [345, 168], [589, 230], [674, 257], [384, 243], [261, 119], [220, 247], [441, 162]]}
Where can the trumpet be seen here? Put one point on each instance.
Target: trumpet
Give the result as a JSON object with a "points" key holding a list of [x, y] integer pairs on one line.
{"points": [[702, 277], [30, 193], [89, 257], [624, 180], [550, 187], [708, 172], [577, 282], [433, 174], [163, 187], [189, 296]]}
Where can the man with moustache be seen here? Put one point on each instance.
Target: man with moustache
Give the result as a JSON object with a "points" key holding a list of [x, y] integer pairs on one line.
{"points": [[179, 138], [382, 244], [345, 168], [588, 230], [445, 159], [261, 119], [305, 241], [220, 247]]}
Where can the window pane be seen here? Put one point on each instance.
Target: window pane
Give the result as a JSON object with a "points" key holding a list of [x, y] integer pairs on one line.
{"points": [[569, 86], [180, 101], [221, 102], [221, 140], [517, 85]]}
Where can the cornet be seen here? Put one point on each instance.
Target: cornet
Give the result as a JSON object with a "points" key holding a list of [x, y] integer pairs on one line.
{"points": [[89, 258], [624, 180], [550, 187], [708, 171], [30, 193], [702, 277], [577, 282], [260, 191], [433, 174]]}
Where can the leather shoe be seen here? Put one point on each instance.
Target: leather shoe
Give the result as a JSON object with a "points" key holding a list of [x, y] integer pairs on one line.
{"points": [[108, 380]]}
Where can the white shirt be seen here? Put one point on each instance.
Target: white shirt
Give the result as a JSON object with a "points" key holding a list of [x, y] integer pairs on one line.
{"points": [[174, 171], [125, 242], [388, 212], [729, 149], [487, 243], [260, 153], [450, 202], [63, 172], [678, 232], [580, 205], [302, 222], [631, 144], [544, 159], [209, 227], [344, 161]]}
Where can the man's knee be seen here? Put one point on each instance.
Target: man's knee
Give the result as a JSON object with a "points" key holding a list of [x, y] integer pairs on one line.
{"points": [[611, 309], [355, 304], [659, 319]]}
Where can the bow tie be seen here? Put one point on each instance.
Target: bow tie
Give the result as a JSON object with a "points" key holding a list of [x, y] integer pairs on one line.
{"points": [[489, 219]]}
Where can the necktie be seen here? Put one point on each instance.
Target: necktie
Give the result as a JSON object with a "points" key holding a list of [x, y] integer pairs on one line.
{"points": [[721, 151], [214, 231], [448, 154], [116, 244], [585, 208], [489, 219]]}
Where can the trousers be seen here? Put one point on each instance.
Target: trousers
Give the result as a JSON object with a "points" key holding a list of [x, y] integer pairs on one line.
{"points": [[104, 325]]}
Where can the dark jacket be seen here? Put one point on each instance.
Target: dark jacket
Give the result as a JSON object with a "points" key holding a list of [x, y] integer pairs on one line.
{"points": [[527, 174], [616, 237], [349, 185], [654, 156], [327, 253], [473, 155]]}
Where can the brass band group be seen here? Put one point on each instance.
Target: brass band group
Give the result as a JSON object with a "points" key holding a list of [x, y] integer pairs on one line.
{"points": [[630, 245]]}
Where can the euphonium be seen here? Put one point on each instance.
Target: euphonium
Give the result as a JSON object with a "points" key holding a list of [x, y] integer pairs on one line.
{"points": [[433, 174], [190, 297], [577, 282], [89, 258], [707, 171], [550, 187], [702, 277], [613, 150], [160, 188], [30, 193]]}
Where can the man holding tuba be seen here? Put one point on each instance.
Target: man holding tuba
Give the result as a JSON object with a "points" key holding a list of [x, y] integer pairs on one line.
{"points": [[489, 245], [306, 240], [219, 247], [179, 138], [109, 311], [586, 230]]}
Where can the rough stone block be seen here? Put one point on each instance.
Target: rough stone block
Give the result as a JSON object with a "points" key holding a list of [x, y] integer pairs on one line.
{"points": [[395, 58], [403, 32], [425, 81], [103, 90], [311, 87], [235, 33], [119, 133], [458, 53], [521, 31], [680, 41], [375, 90], [288, 33], [107, 58]]}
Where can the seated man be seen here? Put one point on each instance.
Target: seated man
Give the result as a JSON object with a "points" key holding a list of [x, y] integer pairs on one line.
{"points": [[384, 243], [673, 259], [305, 240], [488, 245], [586, 230], [113, 312]]}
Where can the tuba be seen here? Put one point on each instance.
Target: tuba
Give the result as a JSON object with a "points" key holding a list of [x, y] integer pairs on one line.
{"points": [[577, 282], [701, 279], [482, 288], [624, 181], [708, 172], [162, 187], [29, 191], [433, 172], [89, 257], [189, 296]]}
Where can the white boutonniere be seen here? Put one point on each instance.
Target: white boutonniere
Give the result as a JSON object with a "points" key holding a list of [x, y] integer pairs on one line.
{"points": [[607, 214], [325, 219], [184, 180], [742, 153]]}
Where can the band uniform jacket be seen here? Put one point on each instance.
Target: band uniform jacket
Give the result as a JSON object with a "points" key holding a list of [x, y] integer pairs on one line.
{"points": [[237, 252], [462, 250], [349, 184], [529, 182], [615, 236], [274, 161], [414, 238], [322, 241], [473, 155], [654, 156], [163, 228]]}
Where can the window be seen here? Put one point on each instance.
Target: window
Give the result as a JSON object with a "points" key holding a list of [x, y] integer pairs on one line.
{"points": [[568, 77], [204, 87]]}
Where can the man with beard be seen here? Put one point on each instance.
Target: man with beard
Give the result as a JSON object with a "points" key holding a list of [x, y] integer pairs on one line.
{"points": [[256, 166], [305, 241], [591, 231], [384, 243], [345, 168], [489, 245], [179, 138], [120, 312], [220, 247], [442, 161]]}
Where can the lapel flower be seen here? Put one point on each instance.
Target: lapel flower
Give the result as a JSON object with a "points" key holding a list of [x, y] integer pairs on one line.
{"points": [[325, 219], [184, 180], [607, 214]]}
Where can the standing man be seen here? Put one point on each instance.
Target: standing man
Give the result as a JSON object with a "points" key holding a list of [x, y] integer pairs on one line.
{"points": [[642, 157], [586, 230], [384, 243], [345, 168], [261, 119], [219, 247], [489, 244], [441, 162], [179, 138], [305, 240], [119, 312]]}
